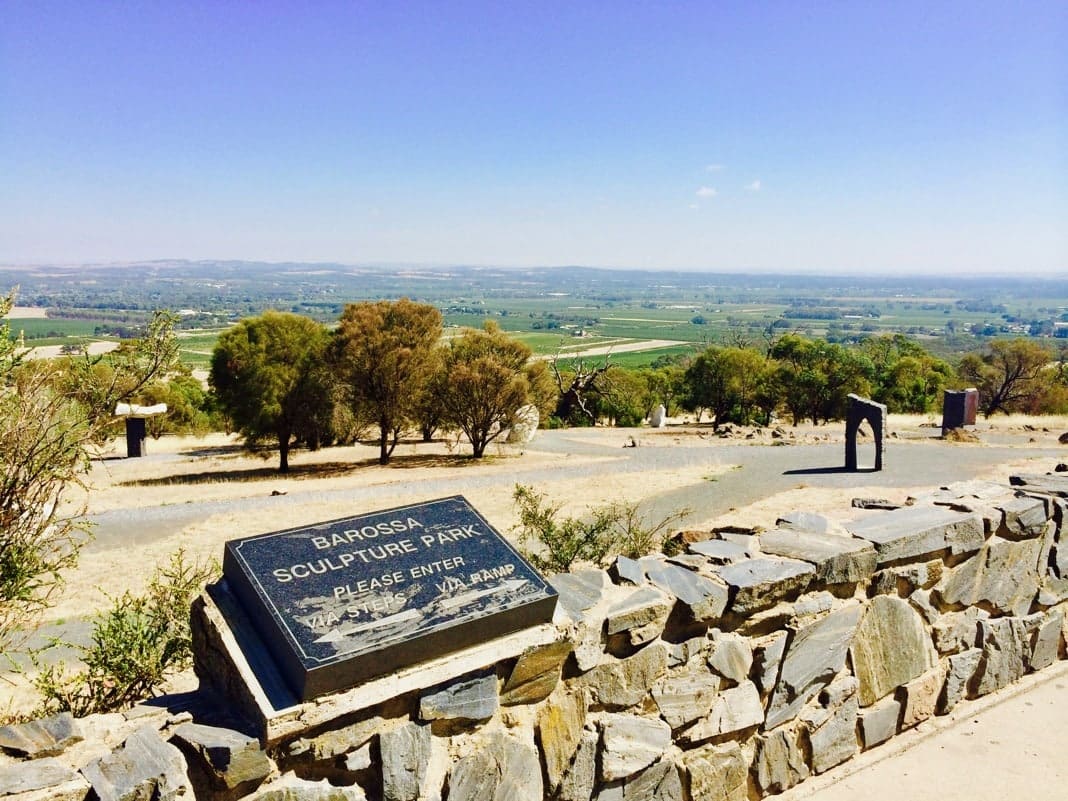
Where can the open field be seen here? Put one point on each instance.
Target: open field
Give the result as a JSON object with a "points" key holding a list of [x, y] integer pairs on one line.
{"points": [[27, 313], [544, 306]]}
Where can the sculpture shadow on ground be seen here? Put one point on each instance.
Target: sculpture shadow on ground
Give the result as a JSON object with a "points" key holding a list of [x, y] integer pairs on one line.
{"points": [[818, 471]]}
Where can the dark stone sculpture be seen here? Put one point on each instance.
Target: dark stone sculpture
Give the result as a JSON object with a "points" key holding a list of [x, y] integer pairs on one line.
{"points": [[959, 408], [861, 409]]}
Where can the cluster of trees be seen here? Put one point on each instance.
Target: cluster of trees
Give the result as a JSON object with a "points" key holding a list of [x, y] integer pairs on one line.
{"points": [[286, 378], [812, 379], [806, 379]]}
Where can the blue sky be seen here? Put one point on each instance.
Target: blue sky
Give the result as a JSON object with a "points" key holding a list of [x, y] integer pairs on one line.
{"points": [[769, 136]]}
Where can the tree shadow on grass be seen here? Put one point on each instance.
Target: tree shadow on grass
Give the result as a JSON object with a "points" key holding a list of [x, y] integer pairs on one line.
{"points": [[300, 472], [233, 449]]}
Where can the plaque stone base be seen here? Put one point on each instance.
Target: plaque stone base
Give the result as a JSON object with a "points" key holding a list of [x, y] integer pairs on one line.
{"points": [[231, 660]]}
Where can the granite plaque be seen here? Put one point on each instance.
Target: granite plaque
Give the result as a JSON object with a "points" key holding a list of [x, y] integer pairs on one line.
{"points": [[348, 600]]}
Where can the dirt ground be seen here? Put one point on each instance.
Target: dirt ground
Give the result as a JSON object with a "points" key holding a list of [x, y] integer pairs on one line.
{"points": [[197, 493]]}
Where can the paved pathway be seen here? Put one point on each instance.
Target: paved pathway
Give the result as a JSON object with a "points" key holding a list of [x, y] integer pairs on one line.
{"points": [[1009, 746], [763, 471]]}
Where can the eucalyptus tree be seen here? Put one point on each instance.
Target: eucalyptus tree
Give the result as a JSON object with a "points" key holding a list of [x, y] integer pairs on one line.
{"points": [[383, 354], [271, 380], [488, 377]]}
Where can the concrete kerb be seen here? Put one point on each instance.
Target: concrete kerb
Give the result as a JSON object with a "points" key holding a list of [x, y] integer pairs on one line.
{"points": [[931, 727]]}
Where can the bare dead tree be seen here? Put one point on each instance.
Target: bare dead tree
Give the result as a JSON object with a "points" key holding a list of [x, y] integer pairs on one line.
{"points": [[575, 396]]}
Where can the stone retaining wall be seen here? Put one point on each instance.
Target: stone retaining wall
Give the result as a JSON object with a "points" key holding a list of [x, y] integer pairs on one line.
{"points": [[733, 670]]}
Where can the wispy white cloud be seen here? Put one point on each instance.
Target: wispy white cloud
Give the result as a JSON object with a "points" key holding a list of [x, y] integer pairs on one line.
{"points": [[715, 167], [707, 191], [694, 206], [754, 186]]}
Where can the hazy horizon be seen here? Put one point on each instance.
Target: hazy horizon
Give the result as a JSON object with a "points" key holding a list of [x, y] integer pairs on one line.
{"points": [[431, 266], [875, 139]]}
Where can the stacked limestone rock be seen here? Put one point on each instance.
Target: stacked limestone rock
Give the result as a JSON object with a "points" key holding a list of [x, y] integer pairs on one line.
{"points": [[733, 670]]}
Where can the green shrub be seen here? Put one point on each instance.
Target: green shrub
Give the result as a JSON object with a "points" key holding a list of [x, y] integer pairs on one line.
{"points": [[136, 645], [615, 528]]}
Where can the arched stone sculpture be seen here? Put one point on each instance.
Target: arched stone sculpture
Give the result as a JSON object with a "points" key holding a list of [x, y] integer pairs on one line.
{"points": [[861, 409]]}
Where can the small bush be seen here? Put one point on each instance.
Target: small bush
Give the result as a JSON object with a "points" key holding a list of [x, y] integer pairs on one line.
{"points": [[616, 528], [136, 645]]}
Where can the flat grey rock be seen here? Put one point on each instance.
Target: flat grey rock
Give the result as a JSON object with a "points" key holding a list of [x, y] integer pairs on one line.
{"points": [[581, 590], [628, 571], [627, 682], [1056, 485], [834, 740], [1005, 650], [684, 698], [35, 774], [767, 656], [473, 699], [501, 769], [730, 655], [1047, 640], [762, 582], [658, 782], [779, 762], [915, 531], [232, 759], [642, 614], [581, 777], [956, 631], [732, 710], [290, 787], [1023, 517], [961, 669], [878, 723], [804, 521], [143, 767], [837, 559], [360, 759], [1004, 574], [690, 561], [41, 738], [719, 552], [706, 598]]}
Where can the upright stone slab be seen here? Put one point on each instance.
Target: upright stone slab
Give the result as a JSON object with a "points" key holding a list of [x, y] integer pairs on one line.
{"points": [[891, 648], [817, 653], [341, 602], [971, 405]]}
